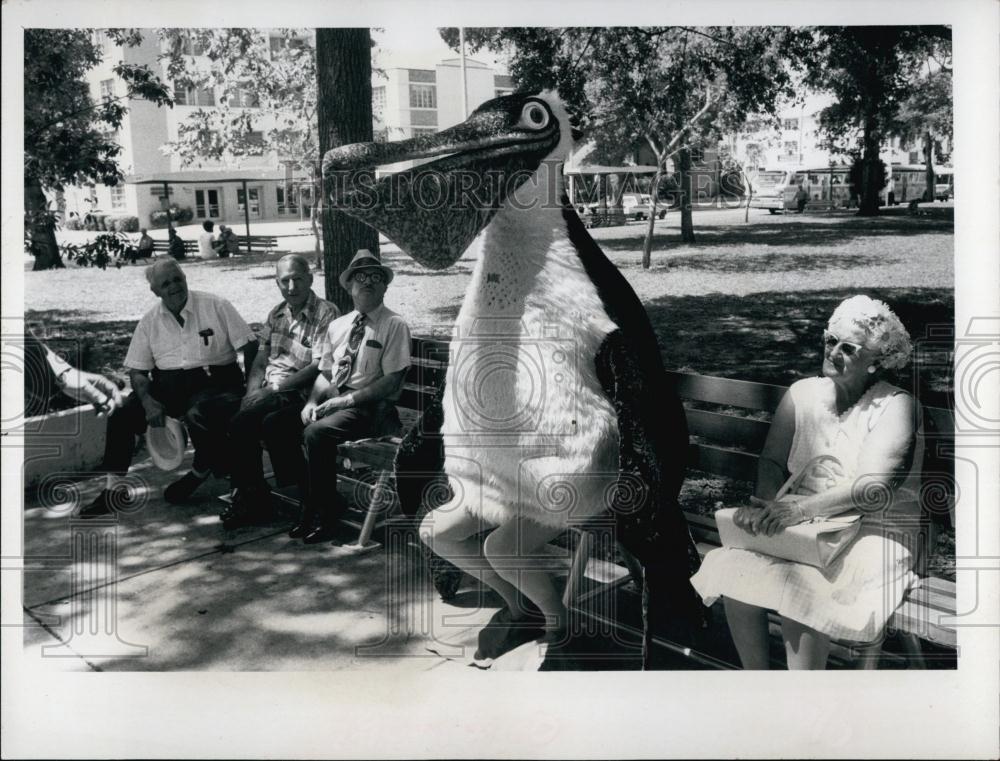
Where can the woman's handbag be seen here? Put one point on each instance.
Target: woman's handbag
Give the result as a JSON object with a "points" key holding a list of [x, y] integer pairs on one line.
{"points": [[817, 542]]}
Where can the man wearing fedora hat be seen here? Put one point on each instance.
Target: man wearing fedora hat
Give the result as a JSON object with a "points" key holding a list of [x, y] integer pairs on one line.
{"points": [[363, 360]]}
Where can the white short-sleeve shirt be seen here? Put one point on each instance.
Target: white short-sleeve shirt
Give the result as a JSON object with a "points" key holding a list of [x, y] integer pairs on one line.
{"points": [[213, 331], [206, 247], [385, 346]]}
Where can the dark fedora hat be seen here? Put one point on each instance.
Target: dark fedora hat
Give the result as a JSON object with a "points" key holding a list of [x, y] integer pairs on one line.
{"points": [[364, 260]]}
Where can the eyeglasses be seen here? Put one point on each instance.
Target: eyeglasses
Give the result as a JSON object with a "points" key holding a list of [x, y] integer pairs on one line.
{"points": [[831, 341], [374, 278]]}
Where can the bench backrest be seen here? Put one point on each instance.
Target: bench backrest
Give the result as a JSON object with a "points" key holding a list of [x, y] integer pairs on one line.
{"points": [[727, 441]]}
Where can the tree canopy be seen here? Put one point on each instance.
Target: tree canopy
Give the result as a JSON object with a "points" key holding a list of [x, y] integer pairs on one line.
{"points": [[668, 88], [68, 137]]}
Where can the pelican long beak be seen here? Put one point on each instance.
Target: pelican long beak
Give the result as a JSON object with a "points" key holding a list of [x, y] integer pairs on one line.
{"points": [[435, 209]]}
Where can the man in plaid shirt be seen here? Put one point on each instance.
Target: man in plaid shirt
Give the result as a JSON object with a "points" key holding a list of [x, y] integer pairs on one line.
{"points": [[278, 385]]}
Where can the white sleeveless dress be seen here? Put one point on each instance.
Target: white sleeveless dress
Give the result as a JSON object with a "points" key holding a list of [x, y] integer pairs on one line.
{"points": [[854, 596]]}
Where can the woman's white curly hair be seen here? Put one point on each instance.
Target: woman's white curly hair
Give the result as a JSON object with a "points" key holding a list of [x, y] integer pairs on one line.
{"points": [[885, 333]]}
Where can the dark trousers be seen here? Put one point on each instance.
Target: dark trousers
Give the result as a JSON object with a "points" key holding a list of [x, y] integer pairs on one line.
{"points": [[320, 441], [204, 401], [275, 419]]}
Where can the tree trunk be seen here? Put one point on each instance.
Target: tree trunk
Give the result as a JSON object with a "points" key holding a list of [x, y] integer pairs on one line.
{"points": [[869, 174], [41, 227], [344, 106], [647, 244], [929, 177], [314, 210], [684, 167]]}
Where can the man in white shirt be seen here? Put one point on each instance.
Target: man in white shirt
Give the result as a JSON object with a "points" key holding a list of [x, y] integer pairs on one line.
{"points": [[182, 363], [362, 364], [206, 241]]}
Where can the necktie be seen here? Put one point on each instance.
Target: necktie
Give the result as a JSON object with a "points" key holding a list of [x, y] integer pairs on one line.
{"points": [[346, 363]]}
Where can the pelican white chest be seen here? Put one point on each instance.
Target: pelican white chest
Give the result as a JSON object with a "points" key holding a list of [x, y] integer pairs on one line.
{"points": [[527, 427]]}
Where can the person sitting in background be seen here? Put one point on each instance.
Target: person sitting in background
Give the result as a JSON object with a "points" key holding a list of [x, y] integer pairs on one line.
{"points": [[182, 363], [226, 244], [144, 248], [206, 241], [363, 361], [801, 198], [175, 246], [869, 426], [277, 386], [45, 372]]}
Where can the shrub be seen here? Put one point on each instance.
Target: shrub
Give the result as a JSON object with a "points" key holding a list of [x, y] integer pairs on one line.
{"points": [[105, 249], [73, 223], [128, 223], [158, 217]]}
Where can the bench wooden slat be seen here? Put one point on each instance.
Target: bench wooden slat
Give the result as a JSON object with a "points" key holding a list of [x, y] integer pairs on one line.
{"points": [[727, 430], [723, 462], [703, 388]]}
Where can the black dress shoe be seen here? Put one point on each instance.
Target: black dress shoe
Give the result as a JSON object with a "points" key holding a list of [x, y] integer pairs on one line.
{"points": [[105, 503], [317, 535], [183, 487], [300, 530]]}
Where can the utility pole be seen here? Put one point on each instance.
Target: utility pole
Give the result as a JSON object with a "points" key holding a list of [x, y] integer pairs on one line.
{"points": [[465, 88]]}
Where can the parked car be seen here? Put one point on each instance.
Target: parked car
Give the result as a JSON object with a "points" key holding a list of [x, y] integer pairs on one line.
{"points": [[639, 206], [634, 205]]}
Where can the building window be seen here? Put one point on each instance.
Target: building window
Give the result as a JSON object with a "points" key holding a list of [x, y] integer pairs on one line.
{"points": [[790, 124], [378, 100], [255, 139], [423, 75], [914, 157], [287, 202], [206, 203], [107, 88], [117, 196], [697, 154], [423, 96], [790, 148], [424, 118], [190, 96], [278, 44], [243, 97], [193, 46], [422, 131]]}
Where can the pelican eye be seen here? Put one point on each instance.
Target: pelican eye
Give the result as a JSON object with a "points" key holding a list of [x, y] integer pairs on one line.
{"points": [[534, 116]]}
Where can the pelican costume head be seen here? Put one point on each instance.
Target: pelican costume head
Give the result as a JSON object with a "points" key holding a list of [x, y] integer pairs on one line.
{"points": [[554, 384], [464, 175]]}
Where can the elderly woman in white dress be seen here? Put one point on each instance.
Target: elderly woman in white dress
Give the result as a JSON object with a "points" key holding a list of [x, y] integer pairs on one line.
{"points": [[869, 426]]}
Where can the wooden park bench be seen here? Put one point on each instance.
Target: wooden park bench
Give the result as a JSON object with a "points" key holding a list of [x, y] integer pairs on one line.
{"points": [[265, 243], [726, 441], [163, 247]]}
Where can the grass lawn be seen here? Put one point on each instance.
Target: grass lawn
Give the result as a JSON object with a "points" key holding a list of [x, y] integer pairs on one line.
{"points": [[744, 301]]}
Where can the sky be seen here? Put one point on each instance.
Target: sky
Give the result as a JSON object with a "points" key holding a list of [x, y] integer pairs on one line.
{"points": [[419, 46]]}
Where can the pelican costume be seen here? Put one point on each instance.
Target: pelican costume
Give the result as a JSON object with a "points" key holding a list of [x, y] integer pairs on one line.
{"points": [[554, 406]]}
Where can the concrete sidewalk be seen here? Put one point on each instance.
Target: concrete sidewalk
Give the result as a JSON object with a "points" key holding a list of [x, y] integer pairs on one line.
{"points": [[166, 587]]}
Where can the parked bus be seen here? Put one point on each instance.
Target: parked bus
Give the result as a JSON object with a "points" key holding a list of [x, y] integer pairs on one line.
{"points": [[830, 187], [944, 183]]}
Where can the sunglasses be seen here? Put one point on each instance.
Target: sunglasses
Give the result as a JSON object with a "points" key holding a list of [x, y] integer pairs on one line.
{"points": [[369, 277], [831, 341]]}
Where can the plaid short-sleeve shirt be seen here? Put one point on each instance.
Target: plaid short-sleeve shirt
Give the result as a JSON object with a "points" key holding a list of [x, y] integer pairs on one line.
{"points": [[292, 340]]}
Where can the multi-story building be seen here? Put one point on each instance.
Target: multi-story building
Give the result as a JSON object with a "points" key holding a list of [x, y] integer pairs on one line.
{"points": [[410, 102], [796, 141], [407, 103]]}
